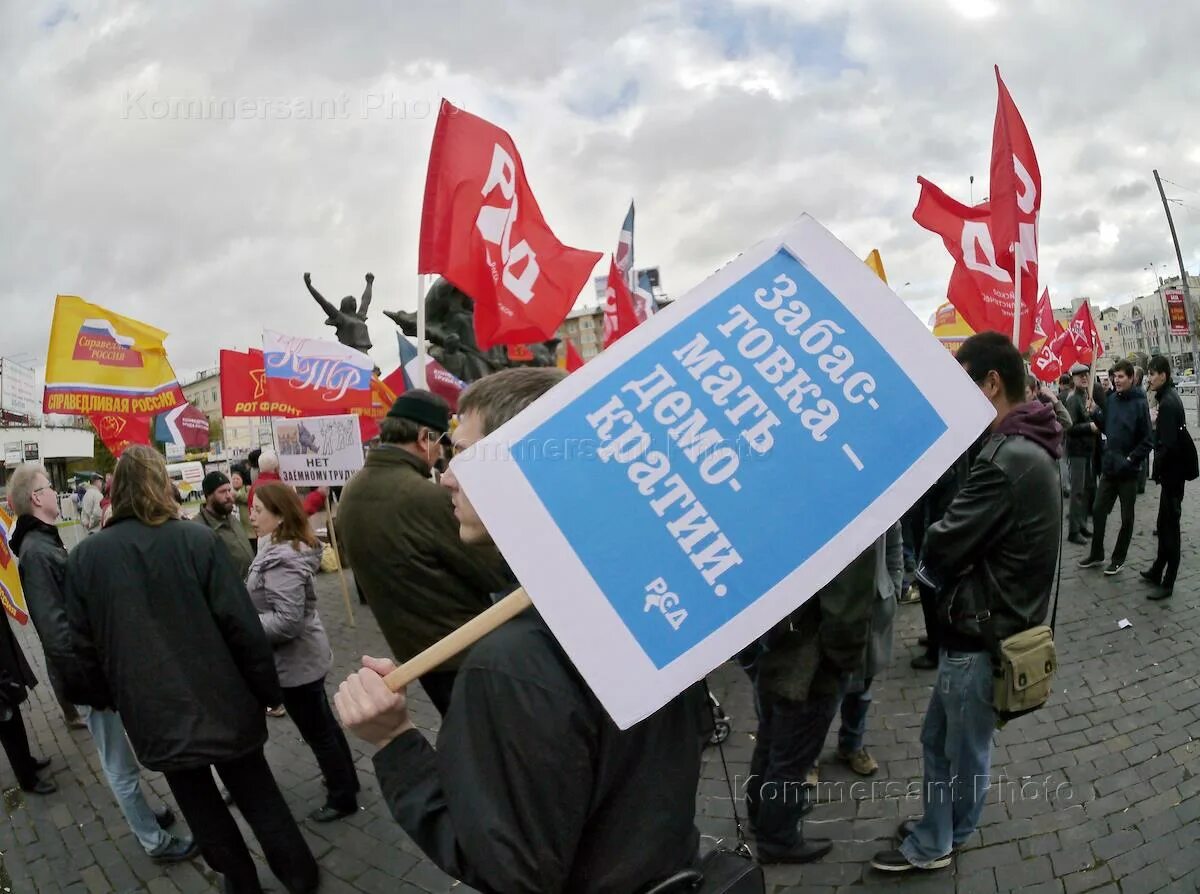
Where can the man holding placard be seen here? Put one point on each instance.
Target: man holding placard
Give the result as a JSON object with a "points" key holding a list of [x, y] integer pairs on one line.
{"points": [[532, 786]]}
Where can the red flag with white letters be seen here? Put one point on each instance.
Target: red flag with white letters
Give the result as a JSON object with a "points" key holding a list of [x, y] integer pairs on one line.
{"points": [[980, 288], [1043, 318], [619, 316], [1085, 336], [481, 228], [1016, 195], [1055, 356]]}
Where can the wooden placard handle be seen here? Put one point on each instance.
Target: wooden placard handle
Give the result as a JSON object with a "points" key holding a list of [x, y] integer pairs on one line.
{"points": [[461, 639]]}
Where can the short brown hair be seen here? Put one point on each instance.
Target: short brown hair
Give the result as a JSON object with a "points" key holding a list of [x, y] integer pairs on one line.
{"points": [[279, 499], [501, 396], [141, 488]]}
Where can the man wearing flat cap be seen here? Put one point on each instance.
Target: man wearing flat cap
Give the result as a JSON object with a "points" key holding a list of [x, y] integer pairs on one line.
{"points": [[219, 512], [1080, 446], [401, 539]]}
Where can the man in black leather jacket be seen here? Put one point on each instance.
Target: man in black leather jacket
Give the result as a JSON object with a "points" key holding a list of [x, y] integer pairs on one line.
{"points": [[1128, 438], [992, 559]]}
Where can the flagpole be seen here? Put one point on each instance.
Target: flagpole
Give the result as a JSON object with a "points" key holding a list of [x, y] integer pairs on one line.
{"points": [[419, 378], [1016, 333]]}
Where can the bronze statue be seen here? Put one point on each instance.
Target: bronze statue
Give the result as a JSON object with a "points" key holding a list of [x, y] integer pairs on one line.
{"points": [[450, 328], [350, 322]]}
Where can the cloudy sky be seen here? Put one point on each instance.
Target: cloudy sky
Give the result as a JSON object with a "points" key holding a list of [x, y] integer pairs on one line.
{"points": [[723, 120]]}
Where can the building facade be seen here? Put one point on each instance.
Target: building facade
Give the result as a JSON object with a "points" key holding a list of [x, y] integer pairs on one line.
{"points": [[584, 327]]}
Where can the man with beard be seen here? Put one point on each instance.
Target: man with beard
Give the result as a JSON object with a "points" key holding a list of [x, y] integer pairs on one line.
{"points": [[220, 515]]}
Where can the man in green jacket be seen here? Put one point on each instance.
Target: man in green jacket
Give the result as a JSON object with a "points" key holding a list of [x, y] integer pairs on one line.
{"points": [[800, 670], [219, 513], [401, 540]]}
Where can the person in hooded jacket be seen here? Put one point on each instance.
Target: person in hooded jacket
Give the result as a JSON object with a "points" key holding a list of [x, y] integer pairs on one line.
{"points": [[1124, 421], [992, 555], [281, 585], [165, 633]]}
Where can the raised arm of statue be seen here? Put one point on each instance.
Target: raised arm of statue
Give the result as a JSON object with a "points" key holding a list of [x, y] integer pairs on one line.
{"points": [[330, 310], [366, 298]]}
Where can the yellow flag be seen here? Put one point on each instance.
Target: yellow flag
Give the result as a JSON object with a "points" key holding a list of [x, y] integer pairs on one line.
{"points": [[12, 597], [101, 362], [876, 263]]}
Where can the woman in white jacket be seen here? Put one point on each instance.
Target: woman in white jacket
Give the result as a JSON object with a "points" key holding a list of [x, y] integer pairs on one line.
{"points": [[280, 583]]}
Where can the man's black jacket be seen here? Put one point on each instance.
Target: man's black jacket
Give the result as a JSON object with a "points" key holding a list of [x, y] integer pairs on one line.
{"points": [[1169, 432], [532, 786], [996, 548], [1125, 421]]}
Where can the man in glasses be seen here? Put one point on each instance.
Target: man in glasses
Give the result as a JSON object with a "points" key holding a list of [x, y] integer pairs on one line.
{"points": [[401, 539]]}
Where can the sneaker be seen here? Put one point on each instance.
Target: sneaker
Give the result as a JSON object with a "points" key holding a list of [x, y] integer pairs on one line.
{"points": [[859, 761], [277, 711], [176, 850], [803, 851], [1113, 568], [906, 828], [894, 861], [1091, 561]]}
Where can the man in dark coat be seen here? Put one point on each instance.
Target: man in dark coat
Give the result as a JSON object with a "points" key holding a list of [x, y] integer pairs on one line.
{"points": [[219, 514], [1080, 445], [1170, 429], [401, 540], [43, 576], [532, 786], [1125, 423], [16, 678], [800, 673], [166, 634]]}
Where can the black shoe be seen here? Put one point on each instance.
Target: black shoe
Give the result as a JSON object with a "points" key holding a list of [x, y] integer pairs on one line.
{"points": [[804, 851], [1151, 578], [1091, 562], [328, 814], [923, 663], [40, 787], [1078, 540], [1164, 593], [1113, 568], [894, 861], [165, 817], [1086, 533], [42, 764]]}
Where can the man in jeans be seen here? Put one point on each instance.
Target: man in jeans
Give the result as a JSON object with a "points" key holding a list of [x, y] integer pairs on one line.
{"points": [[1127, 439], [991, 559], [43, 570]]}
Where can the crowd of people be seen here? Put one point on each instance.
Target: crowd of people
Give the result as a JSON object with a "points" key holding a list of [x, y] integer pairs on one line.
{"points": [[176, 638]]}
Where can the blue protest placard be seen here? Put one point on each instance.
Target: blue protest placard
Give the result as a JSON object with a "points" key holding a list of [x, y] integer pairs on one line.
{"points": [[679, 495]]}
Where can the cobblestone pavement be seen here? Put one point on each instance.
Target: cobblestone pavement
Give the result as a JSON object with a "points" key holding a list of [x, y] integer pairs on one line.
{"points": [[1100, 791]]}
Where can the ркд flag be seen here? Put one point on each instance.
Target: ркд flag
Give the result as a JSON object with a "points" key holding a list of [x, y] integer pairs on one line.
{"points": [[118, 432], [619, 317], [1015, 195], [316, 375], [482, 230], [101, 362]]}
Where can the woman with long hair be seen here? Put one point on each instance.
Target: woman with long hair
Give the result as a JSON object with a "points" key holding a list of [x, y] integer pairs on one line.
{"points": [[281, 587], [167, 636]]}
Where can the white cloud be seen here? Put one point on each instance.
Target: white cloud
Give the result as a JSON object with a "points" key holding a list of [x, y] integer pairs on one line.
{"points": [[723, 122]]}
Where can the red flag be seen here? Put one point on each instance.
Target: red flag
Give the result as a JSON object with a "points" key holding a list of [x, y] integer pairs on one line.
{"points": [[574, 361], [979, 287], [619, 315], [1043, 318], [244, 387], [481, 228], [118, 432], [1016, 194], [1084, 335], [1055, 356], [395, 381], [382, 398]]}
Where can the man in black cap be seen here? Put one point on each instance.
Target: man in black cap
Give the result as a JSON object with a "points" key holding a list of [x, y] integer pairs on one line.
{"points": [[401, 540], [218, 512], [1080, 445]]}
